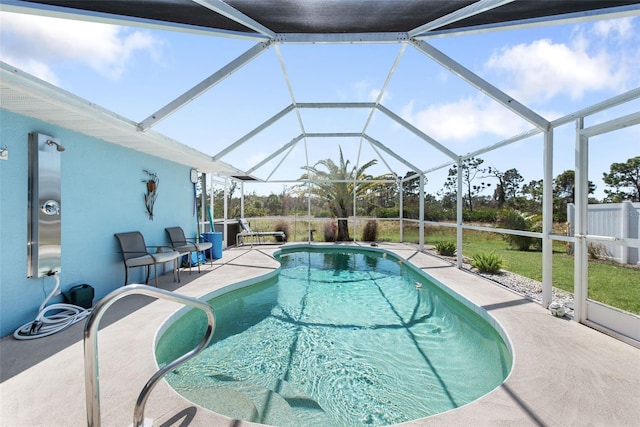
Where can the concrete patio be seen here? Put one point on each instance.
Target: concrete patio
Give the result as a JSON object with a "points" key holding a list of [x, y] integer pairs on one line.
{"points": [[564, 373]]}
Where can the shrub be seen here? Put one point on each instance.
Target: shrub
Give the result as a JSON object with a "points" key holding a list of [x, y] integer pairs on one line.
{"points": [[445, 248], [370, 232], [410, 212], [284, 227], [489, 263], [387, 212], [330, 231], [480, 215], [438, 214], [514, 220]]}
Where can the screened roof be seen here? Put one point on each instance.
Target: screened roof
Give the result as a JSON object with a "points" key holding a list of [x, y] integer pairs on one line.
{"points": [[264, 24], [338, 16]]}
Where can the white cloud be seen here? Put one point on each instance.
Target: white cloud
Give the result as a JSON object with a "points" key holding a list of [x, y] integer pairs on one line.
{"points": [[36, 43], [537, 72], [464, 119], [595, 58], [541, 70], [615, 28], [363, 91]]}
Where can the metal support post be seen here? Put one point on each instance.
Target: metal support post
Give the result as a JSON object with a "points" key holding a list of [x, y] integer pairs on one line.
{"points": [[581, 193], [421, 217], [547, 220], [401, 210], [459, 217]]}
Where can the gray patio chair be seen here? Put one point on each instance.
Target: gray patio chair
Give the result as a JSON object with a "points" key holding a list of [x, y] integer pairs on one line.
{"points": [[187, 246], [135, 253], [247, 232]]}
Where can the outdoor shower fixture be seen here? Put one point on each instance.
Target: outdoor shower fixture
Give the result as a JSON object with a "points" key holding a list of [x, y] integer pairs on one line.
{"points": [[58, 146], [44, 206]]}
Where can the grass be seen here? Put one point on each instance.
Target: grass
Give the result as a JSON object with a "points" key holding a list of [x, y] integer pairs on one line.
{"points": [[609, 283]]}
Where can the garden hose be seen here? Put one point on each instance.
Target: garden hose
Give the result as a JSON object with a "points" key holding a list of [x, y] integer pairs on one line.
{"points": [[45, 324]]}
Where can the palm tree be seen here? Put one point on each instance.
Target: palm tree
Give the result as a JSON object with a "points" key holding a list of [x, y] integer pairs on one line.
{"points": [[335, 184]]}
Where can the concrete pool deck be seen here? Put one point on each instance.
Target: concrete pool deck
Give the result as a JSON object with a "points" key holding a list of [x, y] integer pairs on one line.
{"points": [[564, 373]]}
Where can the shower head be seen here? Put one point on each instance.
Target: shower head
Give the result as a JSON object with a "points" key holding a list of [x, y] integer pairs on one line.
{"points": [[58, 146]]}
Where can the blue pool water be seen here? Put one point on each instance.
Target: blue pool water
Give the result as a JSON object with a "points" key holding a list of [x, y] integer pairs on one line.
{"points": [[341, 337]]}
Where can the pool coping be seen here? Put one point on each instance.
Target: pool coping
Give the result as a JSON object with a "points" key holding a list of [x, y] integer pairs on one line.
{"points": [[564, 373]]}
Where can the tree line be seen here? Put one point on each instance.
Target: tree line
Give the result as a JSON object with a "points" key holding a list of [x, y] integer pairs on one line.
{"points": [[332, 194]]}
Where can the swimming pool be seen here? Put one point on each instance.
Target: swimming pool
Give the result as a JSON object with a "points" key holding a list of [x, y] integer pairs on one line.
{"points": [[340, 337]]}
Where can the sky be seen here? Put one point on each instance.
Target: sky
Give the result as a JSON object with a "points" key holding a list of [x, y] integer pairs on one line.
{"points": [[555, 70]]}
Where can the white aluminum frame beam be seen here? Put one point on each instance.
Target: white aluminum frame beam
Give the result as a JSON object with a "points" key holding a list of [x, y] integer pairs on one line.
{"points": [[285, 74], [421, 215], [436, 168], [385, 85], [459, 208], [339, 38], [612, 125], [28, 8], [334, 135], [348, 181], [306, 181], [596, 108], [384, 160], [482, 85], [203, 86], [280, 163], [266, 160], [336, 105], [224, 9], [508, 141], [547, 219], [255, 131], [411, 128], [568, 18], [391, 153], [580, 275], [460, 14]]}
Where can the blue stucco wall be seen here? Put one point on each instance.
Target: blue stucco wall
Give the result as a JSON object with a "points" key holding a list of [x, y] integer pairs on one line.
{"points": [[102, 194]]}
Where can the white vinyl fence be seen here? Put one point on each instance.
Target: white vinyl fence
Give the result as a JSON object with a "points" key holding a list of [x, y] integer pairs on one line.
{"points": [[620, 220]]}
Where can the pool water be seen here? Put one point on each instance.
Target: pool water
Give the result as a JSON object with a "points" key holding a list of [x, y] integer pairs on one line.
{"points": [[338, 338]]}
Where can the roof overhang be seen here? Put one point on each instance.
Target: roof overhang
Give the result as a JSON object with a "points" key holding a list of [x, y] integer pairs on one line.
{"points": [[24, 94]]}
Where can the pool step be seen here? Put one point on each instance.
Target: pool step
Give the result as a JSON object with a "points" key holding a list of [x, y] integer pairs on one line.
{"points": [[307, 410], [223, 400], [263, 399], [271, 408]]}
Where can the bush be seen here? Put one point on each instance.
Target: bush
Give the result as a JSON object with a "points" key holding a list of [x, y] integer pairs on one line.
{"points": [[321, 213], [284, 227], [445, 248], [480, 215], [489, 263], [514, 220], [370, 232], [388, 212], [439, 214], [330, 231]]}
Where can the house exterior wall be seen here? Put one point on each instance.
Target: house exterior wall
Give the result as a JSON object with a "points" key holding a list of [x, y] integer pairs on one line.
{"points": [[102, 194]]}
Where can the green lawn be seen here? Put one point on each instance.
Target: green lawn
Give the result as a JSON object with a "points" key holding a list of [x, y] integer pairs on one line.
{"points": [[609, 283]]}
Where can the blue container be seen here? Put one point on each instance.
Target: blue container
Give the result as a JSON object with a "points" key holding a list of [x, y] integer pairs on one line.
{"points": [[216, 243]]}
